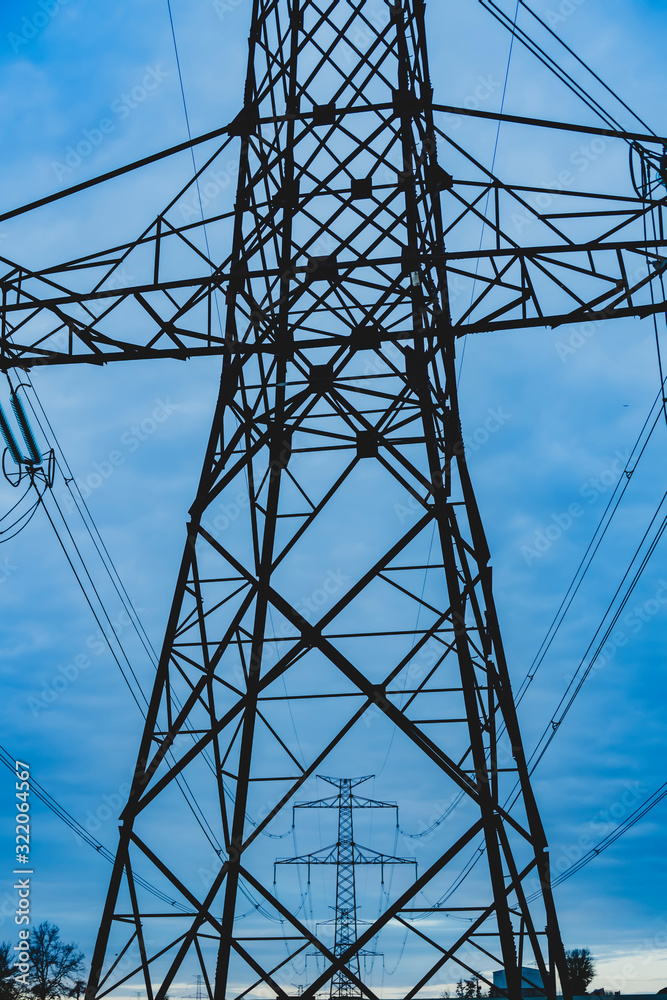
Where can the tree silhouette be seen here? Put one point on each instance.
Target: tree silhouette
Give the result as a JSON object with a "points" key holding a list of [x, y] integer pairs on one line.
{"points": [[581, 969], [8, 988], [55, 967], [468, 988]]}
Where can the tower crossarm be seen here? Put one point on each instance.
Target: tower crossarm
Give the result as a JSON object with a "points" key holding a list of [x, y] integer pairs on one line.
{"points": [[547, 284], [325, 856], [362, 856], [367, 856], [163, 294], [358, 802]]}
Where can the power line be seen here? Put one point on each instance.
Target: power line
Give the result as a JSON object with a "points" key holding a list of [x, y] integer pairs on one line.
{"points": [[556, 719], [554, 725], [603, 525], [493, 164], [89, 521], [585, 66], [598, 536], [639, 813], [192, 151], [135, 688], [10, 762], [553, 66], [89, 602]]}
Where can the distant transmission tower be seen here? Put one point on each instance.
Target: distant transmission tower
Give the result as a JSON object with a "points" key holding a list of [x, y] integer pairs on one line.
{"points": [[199, 993], [345, 854]]}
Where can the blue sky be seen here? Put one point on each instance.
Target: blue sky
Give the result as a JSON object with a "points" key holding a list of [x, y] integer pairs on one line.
{"points": [[568, 406]]}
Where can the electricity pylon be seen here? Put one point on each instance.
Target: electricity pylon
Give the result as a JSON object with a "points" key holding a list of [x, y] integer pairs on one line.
{"points": [[336, 317], [346, 855]]}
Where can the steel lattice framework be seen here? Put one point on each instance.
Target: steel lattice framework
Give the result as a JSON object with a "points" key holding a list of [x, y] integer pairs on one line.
{"points": [[346, 854], [336, 323]]}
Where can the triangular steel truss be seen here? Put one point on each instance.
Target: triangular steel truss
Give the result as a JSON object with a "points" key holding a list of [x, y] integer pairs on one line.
{"points": [[309, 622]]}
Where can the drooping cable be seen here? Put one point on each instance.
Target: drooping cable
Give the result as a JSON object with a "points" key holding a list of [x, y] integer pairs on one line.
{"points": [[661, 278], [17, 504], [103, 619], [40, 792], [488, 195], [552, 65], [652, 536], [639, 813], [84, 511], [636, 454], [585, 66], [595, 648], [93, 610], [180, 780], [51, 803], [192, 151], [22, 522], [26, 469], [43, 422]]}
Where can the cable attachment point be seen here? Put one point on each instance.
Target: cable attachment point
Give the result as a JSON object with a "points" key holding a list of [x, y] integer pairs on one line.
{"points": [[648, 172], [36, 464]]}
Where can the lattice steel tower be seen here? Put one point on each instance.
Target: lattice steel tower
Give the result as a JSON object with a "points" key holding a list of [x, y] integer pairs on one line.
{"points": [[346, 855], [337, 251], [318, 631]]}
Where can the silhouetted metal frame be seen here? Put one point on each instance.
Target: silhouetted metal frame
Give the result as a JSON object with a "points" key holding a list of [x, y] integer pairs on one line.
{"points": [[605, 271], [345, 854]]}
